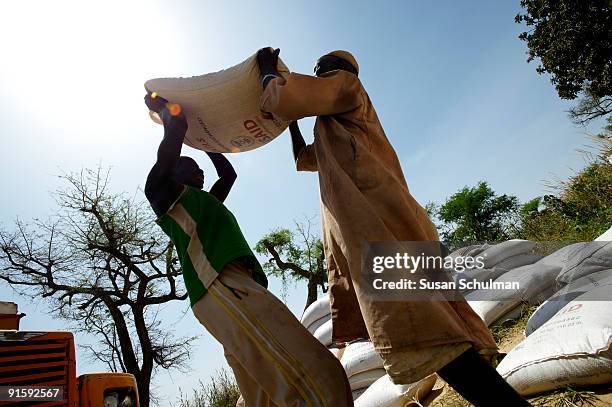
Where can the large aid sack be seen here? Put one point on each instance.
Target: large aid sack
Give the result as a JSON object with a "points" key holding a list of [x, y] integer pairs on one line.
{"points": [[222, 108], [592, 257], [360, 357], [315, 311], [571, 349], [536, 284], [383, 393], [561, 298]]}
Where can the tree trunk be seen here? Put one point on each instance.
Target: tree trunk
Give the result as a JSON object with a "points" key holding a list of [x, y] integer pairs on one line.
{"points": [[312, 290], [144, 395], [146, 369]]}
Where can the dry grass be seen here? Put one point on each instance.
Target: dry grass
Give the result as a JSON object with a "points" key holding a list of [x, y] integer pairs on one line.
{"points": [[567, 398]]}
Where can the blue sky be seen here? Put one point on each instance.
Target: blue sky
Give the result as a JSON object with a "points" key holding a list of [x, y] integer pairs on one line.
{"points": [[449, 81]]}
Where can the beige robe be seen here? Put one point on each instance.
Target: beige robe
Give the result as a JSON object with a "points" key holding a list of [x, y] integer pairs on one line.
{"points": [[364, 197]]}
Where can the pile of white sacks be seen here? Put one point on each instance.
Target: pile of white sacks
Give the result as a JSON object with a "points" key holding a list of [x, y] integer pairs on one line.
{"points": [[369, 382], [568, 338]]}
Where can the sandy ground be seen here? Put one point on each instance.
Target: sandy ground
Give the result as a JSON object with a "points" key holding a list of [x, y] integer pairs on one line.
{"points": [[444, 396]]}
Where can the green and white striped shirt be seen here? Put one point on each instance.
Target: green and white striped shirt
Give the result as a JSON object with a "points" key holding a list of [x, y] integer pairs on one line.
{"points": [[207, 237]]}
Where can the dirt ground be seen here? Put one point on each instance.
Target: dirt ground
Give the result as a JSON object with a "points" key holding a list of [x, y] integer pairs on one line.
{"points": [[444, 396]]}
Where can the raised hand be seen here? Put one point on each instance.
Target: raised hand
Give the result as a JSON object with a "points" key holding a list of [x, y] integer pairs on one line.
{"points": [[170, 114]]}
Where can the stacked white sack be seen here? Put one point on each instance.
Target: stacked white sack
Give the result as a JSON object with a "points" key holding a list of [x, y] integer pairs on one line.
{"points": [[592, 258], [497, 259], [320, 309], [497, 270], [362, 364], [571, 349], [561, 298], [536, 284], [324, 333], [383, 393], [222, 108]]}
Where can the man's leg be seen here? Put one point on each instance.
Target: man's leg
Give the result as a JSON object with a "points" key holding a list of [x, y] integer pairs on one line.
{"points": [[252, 393], [269, 343], [479, 383]]}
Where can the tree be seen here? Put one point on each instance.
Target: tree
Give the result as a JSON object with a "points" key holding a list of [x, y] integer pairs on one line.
{"points": [[303, 254], [581, 208], [222, 391], [106, 268], [477, 214], [573, 40]]}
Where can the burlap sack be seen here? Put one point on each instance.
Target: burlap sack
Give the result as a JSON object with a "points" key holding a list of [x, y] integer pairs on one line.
{"points": [[222, 108]]}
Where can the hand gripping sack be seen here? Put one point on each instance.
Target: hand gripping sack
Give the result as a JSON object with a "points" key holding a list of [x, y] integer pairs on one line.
{"points": [[222, 108]]}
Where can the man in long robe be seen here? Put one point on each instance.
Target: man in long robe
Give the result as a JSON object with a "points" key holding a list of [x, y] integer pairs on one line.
{"points": [[365, 197]]}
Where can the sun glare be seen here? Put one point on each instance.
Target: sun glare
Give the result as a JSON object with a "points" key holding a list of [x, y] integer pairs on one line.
{"points": [[80, 58]]}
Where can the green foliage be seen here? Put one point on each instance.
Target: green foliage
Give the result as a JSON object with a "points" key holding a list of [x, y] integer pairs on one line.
{"points": [[222, 391], [573, 40], [303, 254], [582, 208], [295, 255], [477, 214]]}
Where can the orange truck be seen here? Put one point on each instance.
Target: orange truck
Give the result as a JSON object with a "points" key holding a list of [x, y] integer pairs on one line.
{"points": [[38, 369]]}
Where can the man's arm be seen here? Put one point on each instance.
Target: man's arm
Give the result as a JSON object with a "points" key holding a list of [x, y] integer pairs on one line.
{"points": [[304, 155], [227, 176], [297, 140], [161, 190]]}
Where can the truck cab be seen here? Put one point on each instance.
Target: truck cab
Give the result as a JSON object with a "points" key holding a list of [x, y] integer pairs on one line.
{"points": [[38, 369]]}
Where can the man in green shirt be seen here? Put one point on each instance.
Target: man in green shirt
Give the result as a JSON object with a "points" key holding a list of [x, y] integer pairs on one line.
{"points": [[274, 358]]}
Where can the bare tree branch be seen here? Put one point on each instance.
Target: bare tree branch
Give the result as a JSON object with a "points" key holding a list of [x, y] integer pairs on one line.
{"points": [[102, 264]]}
